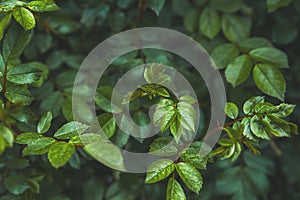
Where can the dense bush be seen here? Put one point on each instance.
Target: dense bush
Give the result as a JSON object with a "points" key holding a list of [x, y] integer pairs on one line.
{"points": [[253, 43]]}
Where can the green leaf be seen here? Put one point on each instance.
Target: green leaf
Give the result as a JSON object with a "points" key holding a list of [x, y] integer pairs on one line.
{"points": [[259, 127], [60, 153], [270, 55], [24, 17], [187, 115], [254, 43], [24, 74], [239, 70], [224, 54], [108, 124], [164, 114], [285, 33], [142, 120], [269, 80], [116, 20], [15, 41], [38, 146], [44, 123], [231, 110], [18, 94], [249, 105], [159, 170], [104, 151], [227, 6], [174, 190], [190, 176], [4, 23], [104, 101], [235, 27], [42, 6], [275, 4], [278, 127], [283, 110], [163, 146], [210, 22], [16, 184], [191, 20], [18, 163], [27, 138], [7, 135], [156, 5], [192, 155], [52, 103], [70, 129]]}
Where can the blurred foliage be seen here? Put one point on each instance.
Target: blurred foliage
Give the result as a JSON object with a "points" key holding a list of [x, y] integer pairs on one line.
{"points": [[253, 43]]}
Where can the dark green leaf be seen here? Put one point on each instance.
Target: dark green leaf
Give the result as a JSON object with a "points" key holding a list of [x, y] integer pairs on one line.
{"points": [[16, 184], [227, 6], [224, 54], [191, 20], [210, 22], [270, 55], [156, 5], [254, 43], [18, 94], [24, 74], [269, 80], [15, 41], [235, 27], [239, 70]]}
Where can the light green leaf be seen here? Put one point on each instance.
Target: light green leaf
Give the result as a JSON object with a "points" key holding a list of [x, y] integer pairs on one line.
{"points": [[270, 55], [44, 123], [108, 124], [24, 17], [249, 105], [7, 135], [210, 22], [283, 110], [231, 110], [174, 190], [224, 54], [190, 176], [156, 5], [192, 155], [254, 43], [18, 94], [269, 80], [4, 23], [259, 128], [42, 6], [187, 99], [239, 70], [159, 170], [163, 146], [236, 27], [16, 184], [278, 127], [191, 20], [15, 41], [70, 129], [104, 151], [187, 116], [227, 6], [27, 138], [24, 74], [60, 153], [164, 114], [38, 146]]}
